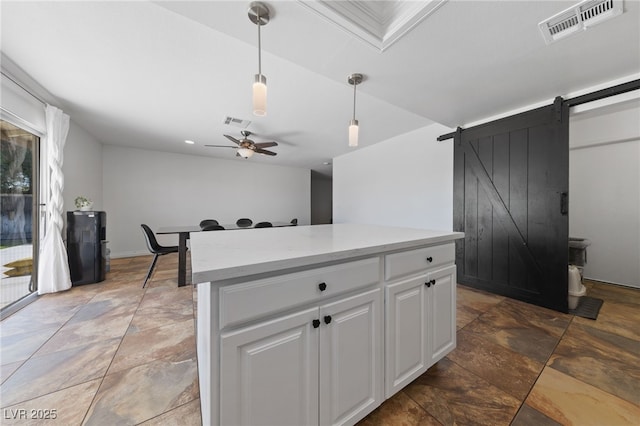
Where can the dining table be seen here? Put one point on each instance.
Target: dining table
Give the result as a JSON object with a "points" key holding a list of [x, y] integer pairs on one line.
{"points": [[184, 231]]}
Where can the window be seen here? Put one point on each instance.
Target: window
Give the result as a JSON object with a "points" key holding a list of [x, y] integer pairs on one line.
{"points": [[19, 213]]}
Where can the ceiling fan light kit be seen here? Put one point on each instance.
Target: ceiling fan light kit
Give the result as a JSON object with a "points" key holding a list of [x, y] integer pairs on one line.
{"points": [[354, 80], [245, 152], [259, 15]]}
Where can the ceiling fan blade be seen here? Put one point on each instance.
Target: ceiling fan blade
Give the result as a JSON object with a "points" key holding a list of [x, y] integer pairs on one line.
{"points": [[264, 151], [265, 144], [222, 146], [232, 139]]}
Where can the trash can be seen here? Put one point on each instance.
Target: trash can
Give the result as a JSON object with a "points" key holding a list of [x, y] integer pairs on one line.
{"points": [[576, 288], [578, 253]]}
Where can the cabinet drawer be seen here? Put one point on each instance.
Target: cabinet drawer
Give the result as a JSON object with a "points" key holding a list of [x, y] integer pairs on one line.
{"points": [[254, 299], [415, 261]]}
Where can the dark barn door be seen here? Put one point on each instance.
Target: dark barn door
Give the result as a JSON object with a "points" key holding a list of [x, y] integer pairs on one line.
{"points": [[511, 180]]}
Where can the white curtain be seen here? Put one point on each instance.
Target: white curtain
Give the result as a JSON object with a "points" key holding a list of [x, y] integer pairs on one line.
{"points": [[53, 267]]}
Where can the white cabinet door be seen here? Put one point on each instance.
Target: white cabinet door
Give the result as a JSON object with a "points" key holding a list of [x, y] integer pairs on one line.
{"points": [[269, 372], [442, 312], [406, 333], [351, 358]]}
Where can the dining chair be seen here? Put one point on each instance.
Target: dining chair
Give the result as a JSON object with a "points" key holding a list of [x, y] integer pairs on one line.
{"points": [[244, 222], [263, 225], [155, 248], [294, 221], [213, 227], [206, 222]]}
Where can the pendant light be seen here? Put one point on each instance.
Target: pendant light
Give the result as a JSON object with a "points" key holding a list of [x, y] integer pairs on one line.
{"points": [[354, 80], [259, 15]]}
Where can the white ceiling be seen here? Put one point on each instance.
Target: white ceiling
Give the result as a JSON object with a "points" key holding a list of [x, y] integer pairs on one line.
{"points": [[152, 74]]}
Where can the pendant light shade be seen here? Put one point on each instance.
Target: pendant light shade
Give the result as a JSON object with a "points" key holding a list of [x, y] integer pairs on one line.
{"points": [[259, 15], [354, 80], [260, 95], [353, 133]]}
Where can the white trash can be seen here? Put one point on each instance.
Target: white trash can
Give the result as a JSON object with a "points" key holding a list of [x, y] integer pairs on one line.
{"points": [[576, 288]]}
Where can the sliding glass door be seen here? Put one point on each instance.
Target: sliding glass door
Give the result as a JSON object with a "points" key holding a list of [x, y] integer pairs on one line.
{"points": [[20, 218]]}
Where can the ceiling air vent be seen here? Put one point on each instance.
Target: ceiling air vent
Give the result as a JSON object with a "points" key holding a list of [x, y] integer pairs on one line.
{"points": [[579, 17], [237, 122]]}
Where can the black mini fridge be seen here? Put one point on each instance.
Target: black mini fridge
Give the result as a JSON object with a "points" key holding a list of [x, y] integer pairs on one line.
{"points": [[86, 246]]}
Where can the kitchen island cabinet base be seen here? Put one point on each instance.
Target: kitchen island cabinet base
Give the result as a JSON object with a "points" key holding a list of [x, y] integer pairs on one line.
{"points": [[323, 356]]}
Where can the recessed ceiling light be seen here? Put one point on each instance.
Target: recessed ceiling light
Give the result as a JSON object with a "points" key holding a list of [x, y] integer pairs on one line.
{"points": [[189, 142], [327, 163]]}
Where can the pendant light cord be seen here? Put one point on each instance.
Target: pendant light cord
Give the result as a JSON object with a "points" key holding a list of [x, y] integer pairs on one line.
{"points": [[259, 48], [354, 100]]}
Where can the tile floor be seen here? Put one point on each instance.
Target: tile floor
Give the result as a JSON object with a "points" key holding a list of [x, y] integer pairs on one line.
{"points": [[115, 354]]}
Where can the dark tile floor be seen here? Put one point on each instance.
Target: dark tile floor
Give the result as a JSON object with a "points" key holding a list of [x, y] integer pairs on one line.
{"points": [[115, 354]]}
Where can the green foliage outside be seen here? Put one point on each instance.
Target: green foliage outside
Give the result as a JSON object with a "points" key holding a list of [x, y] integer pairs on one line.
{"points": [[15, 174]]}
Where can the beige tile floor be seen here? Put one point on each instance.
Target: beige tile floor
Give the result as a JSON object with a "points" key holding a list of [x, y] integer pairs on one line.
{"points": [[115, 354]]}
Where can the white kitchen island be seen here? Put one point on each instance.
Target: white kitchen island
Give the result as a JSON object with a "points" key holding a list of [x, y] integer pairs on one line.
{"points": [[318, 324]]}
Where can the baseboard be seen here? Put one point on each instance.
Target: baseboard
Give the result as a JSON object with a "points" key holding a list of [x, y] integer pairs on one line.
{"points": [[602, 281], [122, 254]]}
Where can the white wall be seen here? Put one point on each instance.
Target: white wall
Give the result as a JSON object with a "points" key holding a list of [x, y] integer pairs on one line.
{"points": [[604, 190], [404, 181], [82, 168], [162, 189]]}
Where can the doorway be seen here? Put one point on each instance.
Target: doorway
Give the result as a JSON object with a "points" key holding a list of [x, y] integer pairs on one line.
{"points": [[604, 182], [19, 236]]}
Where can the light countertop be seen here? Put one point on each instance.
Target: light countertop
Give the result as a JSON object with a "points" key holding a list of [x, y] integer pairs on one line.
{"points": [[226, 255]]}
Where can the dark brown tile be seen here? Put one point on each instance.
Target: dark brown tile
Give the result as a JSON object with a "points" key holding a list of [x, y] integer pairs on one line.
{"points": [[464, 317], [453, 395], [510, 371], [612, 292], [616, 317], [602, 359], [479, 300], [399, 410], [527, 329], [472, 303], [528, 416]]}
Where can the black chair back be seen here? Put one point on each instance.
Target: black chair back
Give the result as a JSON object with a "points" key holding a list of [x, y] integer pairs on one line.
{"points": [[263, 225], [213, 227], [152, 243], [244, 222], [206, 222], [156, 249]]}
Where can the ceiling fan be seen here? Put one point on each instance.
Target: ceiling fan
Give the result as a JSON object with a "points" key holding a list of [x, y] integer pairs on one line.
{"points": [[246, 147]]}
